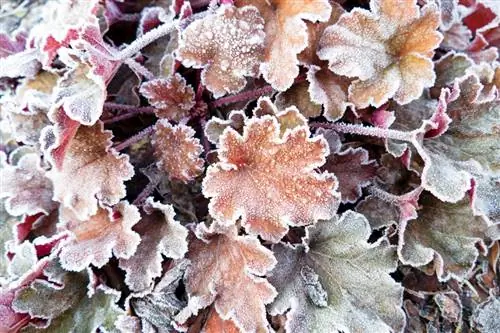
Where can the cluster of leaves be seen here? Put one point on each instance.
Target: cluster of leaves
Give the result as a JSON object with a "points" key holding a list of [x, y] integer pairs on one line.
{"points": [[249, 166]]}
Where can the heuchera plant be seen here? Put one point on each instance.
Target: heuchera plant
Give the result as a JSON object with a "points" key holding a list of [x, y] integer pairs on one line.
{"points": [[249, 166]]}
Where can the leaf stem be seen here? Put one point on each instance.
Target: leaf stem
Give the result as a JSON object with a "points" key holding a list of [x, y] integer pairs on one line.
{"points": [[244, 96], [367, 131], [145, 40], [136, 138], [139, 69], [146, 192]]}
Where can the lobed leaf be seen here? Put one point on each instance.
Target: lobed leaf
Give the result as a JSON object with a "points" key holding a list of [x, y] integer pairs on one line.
{"points": [[286, 35], [178, 151], [445, 232], [66, 306], [270, 181], [338, 281], [80, 92], [90, 172], [161, 235], [26, 187], [94, 240], [172, 97], [388, 49], [353, 170], [225, 271], [227, 45]]}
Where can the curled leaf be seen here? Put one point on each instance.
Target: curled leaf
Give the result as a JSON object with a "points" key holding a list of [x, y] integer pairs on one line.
{"points": [[161, 235]]}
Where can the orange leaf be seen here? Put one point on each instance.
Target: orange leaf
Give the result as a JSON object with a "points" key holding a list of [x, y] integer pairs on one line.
{"points": [[269, 181], [225, 270], [389, 50], [172, 97], [286, 35]]}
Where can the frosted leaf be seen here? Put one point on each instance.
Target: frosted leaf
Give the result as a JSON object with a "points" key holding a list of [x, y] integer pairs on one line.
{"points": [[298, 96], [27, 110], [330, 90], [216, 126], [228, 46], [26, 187], [171, 97], [353, 170], [24, 63], [354, 274], [489, 78], [161, 235], [160, 306], [450, 67], [288, 119], [286, 35], [269, 181], [485, 318], [308, 56], [226, 270], [215, 324], [445, 232], [178, 151], [55, 139], [11, 44], [81, 93], [388, 49], [66, 304], [450, 306], [90, 171], [449, 13], [24, 259], [60, 24], [457, 37], [94, 240]]}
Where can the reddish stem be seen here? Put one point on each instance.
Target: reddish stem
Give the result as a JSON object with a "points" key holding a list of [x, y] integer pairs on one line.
{"points": [[146, 192], [136, 138], [244, 96], [132, 112]]}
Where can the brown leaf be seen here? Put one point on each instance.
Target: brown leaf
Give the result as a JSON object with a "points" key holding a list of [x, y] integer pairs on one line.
{"points": [[95, 240], [172, 97], [178, 151], [286, 35]]}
